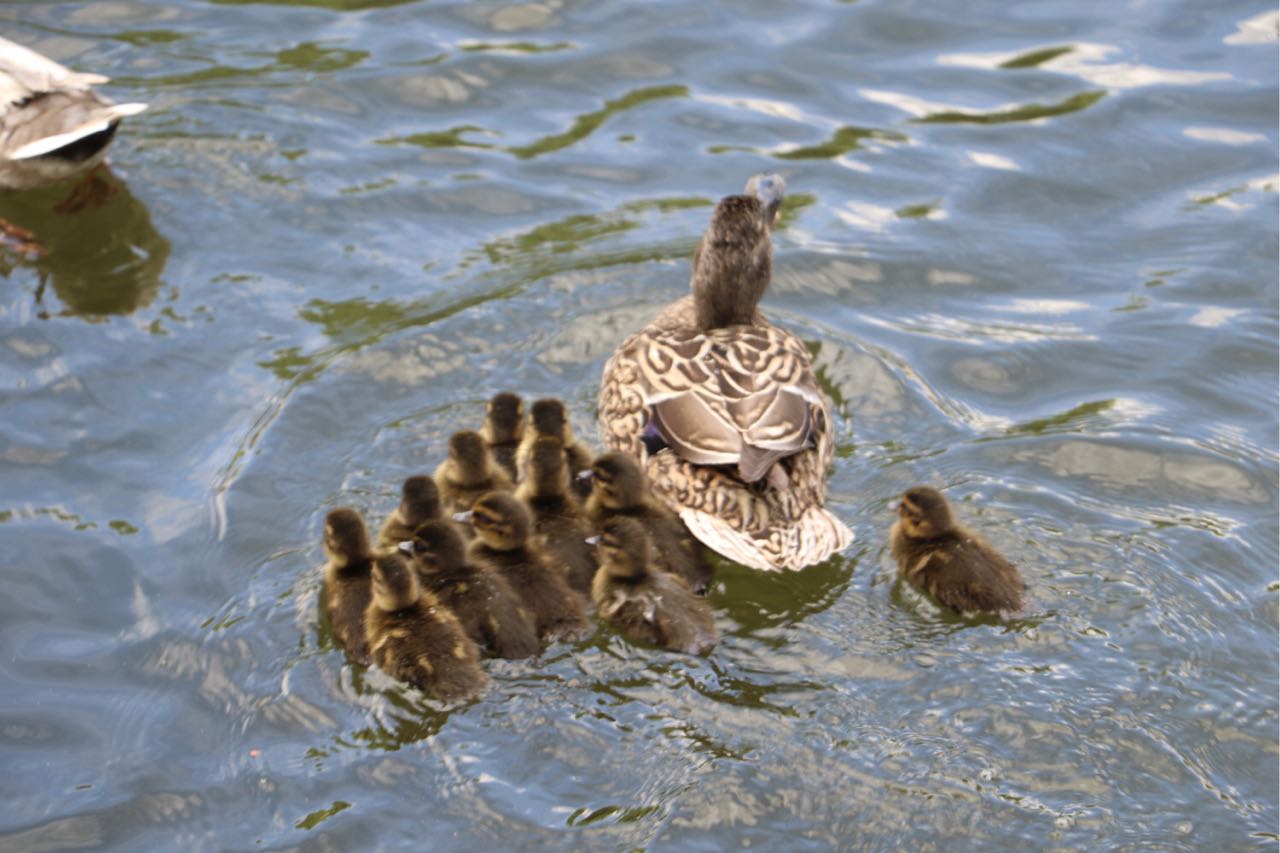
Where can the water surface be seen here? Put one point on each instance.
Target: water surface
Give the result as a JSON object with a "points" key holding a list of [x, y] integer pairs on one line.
{"points": [[1033, 249]]}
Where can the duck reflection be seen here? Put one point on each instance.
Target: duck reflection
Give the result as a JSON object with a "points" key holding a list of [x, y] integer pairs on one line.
{"points": [[93, 242]]}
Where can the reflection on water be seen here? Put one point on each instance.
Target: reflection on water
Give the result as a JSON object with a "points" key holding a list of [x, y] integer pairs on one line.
{"points": [[97, 247]]}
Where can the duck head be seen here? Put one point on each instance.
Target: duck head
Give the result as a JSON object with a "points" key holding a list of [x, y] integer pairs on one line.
{"points": [[395, 585], [439, 546], [547, 472], [733, 264], [617, 481], [469, 458], [624, 549], [924, 513], [500, 520], [345, 536], [419, 501], [504, 419], [548, 417]]}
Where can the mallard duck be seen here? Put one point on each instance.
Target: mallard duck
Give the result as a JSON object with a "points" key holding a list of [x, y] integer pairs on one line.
{"points": [[502, 540], [558, 516], [52, 124], [618, 489], [644, 602], [547, 417], [419, 503], [482, 600], [414, 638], [949, 562], [468, 472], [347, 579], [723, 408], [503, 428]]}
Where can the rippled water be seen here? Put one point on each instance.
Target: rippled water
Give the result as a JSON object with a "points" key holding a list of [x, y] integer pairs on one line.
{"points": [[1033, 247]]}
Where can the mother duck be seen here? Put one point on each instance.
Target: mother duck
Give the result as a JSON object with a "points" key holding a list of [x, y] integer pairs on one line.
{"points": [[722, 408]]}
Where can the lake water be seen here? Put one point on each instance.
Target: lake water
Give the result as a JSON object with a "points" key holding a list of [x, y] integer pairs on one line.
{"points": [[1032, 246]]}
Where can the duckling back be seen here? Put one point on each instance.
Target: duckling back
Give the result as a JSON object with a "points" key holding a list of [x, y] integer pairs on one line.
{"points": [[543, 591], [960, 570]]}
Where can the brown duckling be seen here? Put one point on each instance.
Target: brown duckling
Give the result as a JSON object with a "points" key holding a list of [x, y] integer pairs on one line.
{"points": [[503, 428], [502, 540], [558, 517], [548, 417], [644, 602], [419, 503], [482, 600], [414, 638], [347, 579], [619, 488], [468, 472], [949, 562]]}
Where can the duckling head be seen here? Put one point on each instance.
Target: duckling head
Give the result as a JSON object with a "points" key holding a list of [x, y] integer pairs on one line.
{"points": [[733, 264], [547, 472], [440, 546], [617, 481], [501, 521], [549, 417], [420, 500], [624, 549], [469, 458], [924, 513], [504, 419], [345, 536], [395, 585]]}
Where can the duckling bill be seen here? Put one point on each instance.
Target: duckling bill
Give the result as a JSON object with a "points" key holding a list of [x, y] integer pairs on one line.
{"points": [[951, 563]]}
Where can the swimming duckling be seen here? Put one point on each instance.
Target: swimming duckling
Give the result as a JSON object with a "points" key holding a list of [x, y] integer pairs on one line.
{"points": [[503, 428], [644, 602], [548, 417], [414, 638], [558, 516], [949, 562], [723, 409], [481, 598], [52, 124], [419, 503], [347, 579], [468, 472], [502, 540], [619, 488]]}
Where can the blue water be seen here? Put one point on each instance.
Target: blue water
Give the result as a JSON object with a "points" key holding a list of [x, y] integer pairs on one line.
{"points": [[1033, 247]]}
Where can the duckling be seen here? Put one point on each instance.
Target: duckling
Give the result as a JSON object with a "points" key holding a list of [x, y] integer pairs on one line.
{"points": [[347, 579], [548, 417], [723, 409], [52, 124], [558, 517], [502, 540], [468, 472], [419, 503], [503, 428], [482, 600], [643, 602], [949, 562], [414, 638], [618, 488]]}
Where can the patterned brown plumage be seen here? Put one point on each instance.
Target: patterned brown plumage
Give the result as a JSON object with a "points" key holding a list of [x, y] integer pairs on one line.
{"points": [[745, 431]]}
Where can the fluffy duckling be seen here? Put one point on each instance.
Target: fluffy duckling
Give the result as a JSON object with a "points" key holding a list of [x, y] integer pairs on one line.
{"points": [[548, 417], [347, 579], [468, 472], [503, 428], [949, 562], [502, 540], [414, 638], [558, 516], [419, 503], [52, 124], [482, 600], [723, 409], [643, 602], [619, 488]]}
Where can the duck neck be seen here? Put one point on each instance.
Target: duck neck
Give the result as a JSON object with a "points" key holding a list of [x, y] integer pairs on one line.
{"points": [[728, 284]]}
